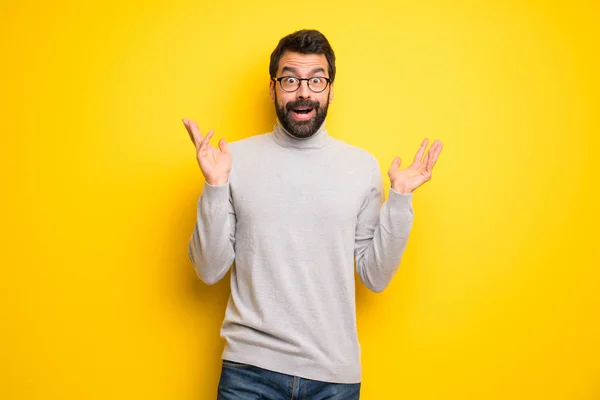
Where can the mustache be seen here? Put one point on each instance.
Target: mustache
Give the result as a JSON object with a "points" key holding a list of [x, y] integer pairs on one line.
{"points": [[302, 103]]}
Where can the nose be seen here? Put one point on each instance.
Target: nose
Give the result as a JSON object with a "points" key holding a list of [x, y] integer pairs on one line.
{"points": [[303, 91]]}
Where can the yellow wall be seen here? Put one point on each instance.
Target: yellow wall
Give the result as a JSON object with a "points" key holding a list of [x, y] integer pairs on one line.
{"points": [[497, 297]]}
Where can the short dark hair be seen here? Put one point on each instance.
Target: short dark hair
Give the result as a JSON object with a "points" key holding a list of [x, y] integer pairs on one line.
{"points": [[306, 41]]}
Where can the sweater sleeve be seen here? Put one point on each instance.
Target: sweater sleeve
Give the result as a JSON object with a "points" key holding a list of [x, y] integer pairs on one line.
{"points": [[211, 247], [381, 234]]}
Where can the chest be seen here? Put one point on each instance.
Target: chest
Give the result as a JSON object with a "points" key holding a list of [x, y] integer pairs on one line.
{"points": [[317, 192]]}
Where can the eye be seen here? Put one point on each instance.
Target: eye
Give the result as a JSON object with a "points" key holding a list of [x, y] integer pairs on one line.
{"points": [[290, 80], [315, 80]]}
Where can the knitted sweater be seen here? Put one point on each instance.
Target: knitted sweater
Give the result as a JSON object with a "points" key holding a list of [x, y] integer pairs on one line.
{"points": [[298, 216]]}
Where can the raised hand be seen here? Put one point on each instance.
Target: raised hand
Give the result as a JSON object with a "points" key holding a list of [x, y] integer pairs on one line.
{"points": [[408, 179], [214, 163]]}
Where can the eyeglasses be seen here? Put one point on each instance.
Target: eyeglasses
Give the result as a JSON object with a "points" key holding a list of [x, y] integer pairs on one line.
{"points": [[290, 83]]}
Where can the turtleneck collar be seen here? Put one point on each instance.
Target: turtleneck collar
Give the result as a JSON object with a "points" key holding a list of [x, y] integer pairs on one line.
{"points": [[285, 139]]}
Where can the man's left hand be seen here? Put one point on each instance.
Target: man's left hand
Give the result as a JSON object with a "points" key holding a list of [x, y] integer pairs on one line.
{"points": [[408, 179]]}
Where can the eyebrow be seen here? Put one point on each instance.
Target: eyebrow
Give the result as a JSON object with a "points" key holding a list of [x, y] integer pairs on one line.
{"points": [[293, 70]]}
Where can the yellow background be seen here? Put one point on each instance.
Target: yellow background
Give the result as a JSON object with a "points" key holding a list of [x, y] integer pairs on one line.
{"points": [[498, 295]]}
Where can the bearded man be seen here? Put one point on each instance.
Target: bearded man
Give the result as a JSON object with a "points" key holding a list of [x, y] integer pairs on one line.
{"points": [[298, 211]]}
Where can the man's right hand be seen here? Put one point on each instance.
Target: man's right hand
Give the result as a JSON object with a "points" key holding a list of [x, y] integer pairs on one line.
{"points": [[214, 163]]}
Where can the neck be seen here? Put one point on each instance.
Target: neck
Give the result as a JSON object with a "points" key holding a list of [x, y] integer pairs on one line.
{"points": [[285, 139]]}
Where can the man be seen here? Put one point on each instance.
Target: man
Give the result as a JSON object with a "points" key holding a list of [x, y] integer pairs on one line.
{"points": [[296, 209]]}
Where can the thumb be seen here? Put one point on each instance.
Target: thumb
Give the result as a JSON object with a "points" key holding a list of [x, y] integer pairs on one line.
{"points": [[396, 163], [223, 145]]}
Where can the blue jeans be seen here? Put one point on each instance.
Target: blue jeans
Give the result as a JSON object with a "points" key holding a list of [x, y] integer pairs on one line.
{"points": [[247, 382]]}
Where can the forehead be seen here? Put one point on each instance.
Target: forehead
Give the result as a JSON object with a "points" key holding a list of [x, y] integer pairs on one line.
{"points": [[302, 63]]}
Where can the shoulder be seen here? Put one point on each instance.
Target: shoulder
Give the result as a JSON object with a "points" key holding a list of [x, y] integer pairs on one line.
{"points": [[362, 164], [250, 144], [354, 154]]}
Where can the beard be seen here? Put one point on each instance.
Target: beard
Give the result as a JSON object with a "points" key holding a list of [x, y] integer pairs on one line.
{"points": [[301, 129]]}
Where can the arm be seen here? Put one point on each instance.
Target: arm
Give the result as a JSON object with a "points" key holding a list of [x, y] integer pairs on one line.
{"points": [[211, 247], [381, 234]]}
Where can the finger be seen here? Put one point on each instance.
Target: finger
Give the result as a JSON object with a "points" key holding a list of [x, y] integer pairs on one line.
{"points": [[435, 150], [223, 146], [195, 133], [436, 153], [395, 165], [186, 123], [419, 155], [204, 143], [427, 160]]}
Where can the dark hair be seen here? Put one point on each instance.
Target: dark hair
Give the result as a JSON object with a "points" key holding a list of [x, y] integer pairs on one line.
{"points": [[306, 41]]}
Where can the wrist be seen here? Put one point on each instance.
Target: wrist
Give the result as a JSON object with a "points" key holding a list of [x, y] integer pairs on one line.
{"points": [[400, 189], [219, 181]]}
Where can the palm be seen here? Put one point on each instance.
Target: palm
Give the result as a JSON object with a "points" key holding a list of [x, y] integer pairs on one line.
{"points": [[214, 163], [408, 179]]}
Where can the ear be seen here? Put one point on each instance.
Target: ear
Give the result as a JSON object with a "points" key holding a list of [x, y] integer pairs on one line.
{"points": [[272, 89], [331, 92]]}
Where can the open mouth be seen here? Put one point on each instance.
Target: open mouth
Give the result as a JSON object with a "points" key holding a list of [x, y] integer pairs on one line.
{"points": [[303, 110], [302, 113]]}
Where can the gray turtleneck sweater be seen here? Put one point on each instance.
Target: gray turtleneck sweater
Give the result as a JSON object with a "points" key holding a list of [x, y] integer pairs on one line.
{"points": [[297, 216]]}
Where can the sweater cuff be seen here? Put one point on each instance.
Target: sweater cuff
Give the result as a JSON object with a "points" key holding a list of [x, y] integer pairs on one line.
{"points": [[216, 194], [400, 200]]}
